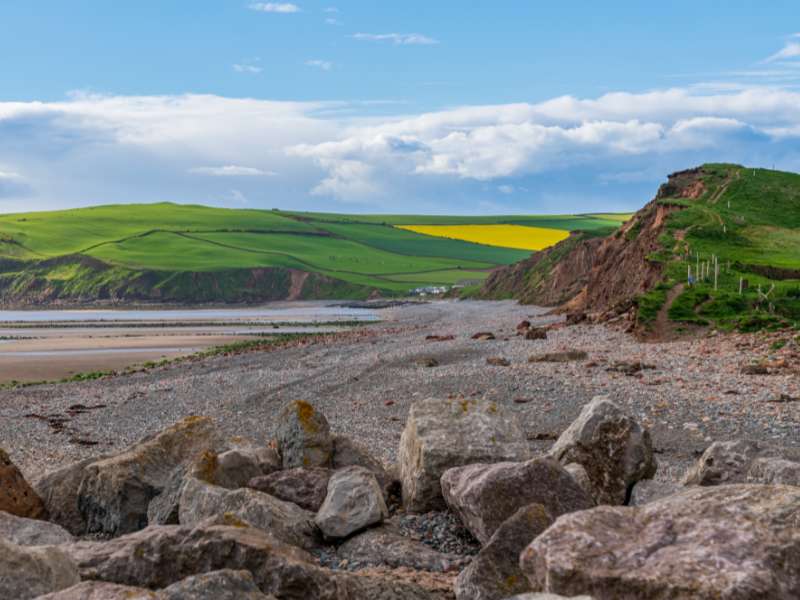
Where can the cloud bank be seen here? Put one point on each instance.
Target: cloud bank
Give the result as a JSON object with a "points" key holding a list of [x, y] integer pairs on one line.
{"points": [[563, 154]]}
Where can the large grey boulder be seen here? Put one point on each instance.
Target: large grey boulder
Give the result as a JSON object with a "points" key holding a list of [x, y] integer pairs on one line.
{"points": [[745, 461], [162, 555], [283, 520], [442, 434], [166, 555], [495, 572], [101, 590], [59, 492], [614, 450], [17, 497], [305, 487], [31, 532], [115, 492], [303, 436], [347, 453], [29, 572], [730, 542], [225, 584], [386, 546], [484, 496], [354, 502]]}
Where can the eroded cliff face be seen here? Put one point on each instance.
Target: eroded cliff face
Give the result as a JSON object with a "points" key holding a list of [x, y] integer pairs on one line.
{"points": [[602, 276]]}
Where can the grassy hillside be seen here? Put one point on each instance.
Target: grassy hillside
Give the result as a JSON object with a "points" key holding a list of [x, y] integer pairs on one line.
{"points": [[661, 263], [174, 252], [747, 221]]}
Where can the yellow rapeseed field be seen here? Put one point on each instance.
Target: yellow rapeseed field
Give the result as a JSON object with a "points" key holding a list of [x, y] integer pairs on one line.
{"points": [[506, 236]]}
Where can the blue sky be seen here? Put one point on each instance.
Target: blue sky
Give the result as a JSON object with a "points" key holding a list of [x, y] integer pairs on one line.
{"points": [[436, 107]]}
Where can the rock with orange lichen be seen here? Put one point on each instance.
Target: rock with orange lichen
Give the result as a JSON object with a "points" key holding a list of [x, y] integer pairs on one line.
{"points": [[304, 436], [115, 492], [16, 495]]}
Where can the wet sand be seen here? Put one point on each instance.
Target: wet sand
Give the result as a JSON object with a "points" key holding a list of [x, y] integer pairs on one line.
{"points": [[53, 345], [53, 357]]}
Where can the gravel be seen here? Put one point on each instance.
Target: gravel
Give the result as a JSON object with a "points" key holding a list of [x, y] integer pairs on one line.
{"points": [[365, 382]]}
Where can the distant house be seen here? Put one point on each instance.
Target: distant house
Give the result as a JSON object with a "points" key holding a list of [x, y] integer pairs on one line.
{"points": [[430, 290]]}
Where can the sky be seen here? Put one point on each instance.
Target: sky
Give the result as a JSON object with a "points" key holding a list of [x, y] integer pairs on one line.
{"points": [[515, 107]]}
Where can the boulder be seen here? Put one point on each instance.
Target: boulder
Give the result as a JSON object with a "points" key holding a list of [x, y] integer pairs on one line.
{"points": [[161, 555], [484, 496], [495, 572], [16, 495], [745, 461], [347, 453], [386, 546], [232, 469], [401, 584], [441, 434], [354, 502], [101, 590], [115, 492], [59, 492], [727, 542], [303, 436], [29, 572], [164, 509], [235, 468], [283, 520], [31, 532], [305, 487], [612, 447], [225, 584]]}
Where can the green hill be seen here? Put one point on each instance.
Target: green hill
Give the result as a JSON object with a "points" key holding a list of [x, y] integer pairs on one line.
{"points": [[734, 230], [186, 253]]}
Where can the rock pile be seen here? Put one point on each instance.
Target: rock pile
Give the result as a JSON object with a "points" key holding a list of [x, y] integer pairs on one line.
{"points": [[313, 516]]}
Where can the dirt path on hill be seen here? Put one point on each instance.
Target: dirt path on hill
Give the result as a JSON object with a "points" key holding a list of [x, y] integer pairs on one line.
{"points": [[663, 329]]}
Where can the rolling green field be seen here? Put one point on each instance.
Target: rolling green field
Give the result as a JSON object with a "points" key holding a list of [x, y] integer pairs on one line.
{"points": [[162, 250]]}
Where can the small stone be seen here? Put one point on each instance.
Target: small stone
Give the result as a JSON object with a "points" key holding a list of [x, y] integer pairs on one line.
{"points": [[498, 361], [536, 333]]}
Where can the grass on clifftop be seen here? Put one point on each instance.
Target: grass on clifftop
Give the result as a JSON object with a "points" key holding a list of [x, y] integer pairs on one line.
{"points": [[750, 220]]}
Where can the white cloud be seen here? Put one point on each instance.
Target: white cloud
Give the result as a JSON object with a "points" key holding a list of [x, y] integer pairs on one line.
{"points": [[247, 69], [230, 171], [81, 150], [789, 51], [332, 21], [505, 189], [275, 7], [331, 9], [398, 39], [325, 65]]}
